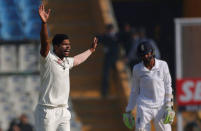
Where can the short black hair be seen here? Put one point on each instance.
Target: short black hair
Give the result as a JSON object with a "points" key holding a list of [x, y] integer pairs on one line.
{"points": [[58, 38]]}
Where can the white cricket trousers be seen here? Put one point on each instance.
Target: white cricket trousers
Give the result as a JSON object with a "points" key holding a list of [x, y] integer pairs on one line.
{"points": [[52, 119], [145, 115]]}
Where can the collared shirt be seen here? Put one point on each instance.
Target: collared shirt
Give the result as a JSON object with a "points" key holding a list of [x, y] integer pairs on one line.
{"points": [[55, 85], [149, 87]]}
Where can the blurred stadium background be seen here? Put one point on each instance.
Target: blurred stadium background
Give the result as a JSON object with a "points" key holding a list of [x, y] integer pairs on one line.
{"points": [[81, 20]]}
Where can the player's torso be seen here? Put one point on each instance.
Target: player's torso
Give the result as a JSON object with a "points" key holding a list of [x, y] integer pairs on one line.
{"points": [[54, 82], [151, 83]]}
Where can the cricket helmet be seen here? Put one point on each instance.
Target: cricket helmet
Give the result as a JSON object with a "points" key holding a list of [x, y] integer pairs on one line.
{"points": [[144, 48]]}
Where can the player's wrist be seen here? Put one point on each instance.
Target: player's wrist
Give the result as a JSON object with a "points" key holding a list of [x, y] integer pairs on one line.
{"points": [[169, 104], [44, 22], [92, 50], [128, 112]]}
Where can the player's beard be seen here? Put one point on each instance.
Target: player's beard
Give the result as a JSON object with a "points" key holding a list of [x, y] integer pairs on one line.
{"points": [[147, 61]]}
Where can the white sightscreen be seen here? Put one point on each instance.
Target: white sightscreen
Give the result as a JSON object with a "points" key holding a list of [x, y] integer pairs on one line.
{"points": [[188, 64], [188, 48]]}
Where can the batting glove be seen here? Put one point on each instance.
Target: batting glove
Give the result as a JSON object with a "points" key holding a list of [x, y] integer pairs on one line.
{"points": [[169, 115], [129, 120]]}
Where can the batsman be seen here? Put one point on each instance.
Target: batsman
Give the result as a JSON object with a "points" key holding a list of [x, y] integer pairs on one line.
{"points": [[151, 91]]}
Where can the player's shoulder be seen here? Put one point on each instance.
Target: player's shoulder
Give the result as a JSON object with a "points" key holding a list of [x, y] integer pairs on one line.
{"points": [[161, 63], [138, 66], [70, 59], [52, 56], [46, 58]]}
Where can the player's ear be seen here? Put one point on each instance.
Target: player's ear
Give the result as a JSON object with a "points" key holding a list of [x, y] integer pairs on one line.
{"points": [[55, 48]]}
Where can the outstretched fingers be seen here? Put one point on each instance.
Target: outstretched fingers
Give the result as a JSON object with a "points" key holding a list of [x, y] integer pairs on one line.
{"points": [[48, 12], [44, 15], [95, 40], [43, 7], [95, 43], [40, 8]]}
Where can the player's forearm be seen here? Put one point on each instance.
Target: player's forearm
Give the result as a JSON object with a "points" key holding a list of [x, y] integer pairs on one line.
{"points": [[131, 103], [78, 59], [168, 85], [132, 100], [168, 97], [168, 94], [134, 92], [45, 47], [44, 33], [168, 88]]}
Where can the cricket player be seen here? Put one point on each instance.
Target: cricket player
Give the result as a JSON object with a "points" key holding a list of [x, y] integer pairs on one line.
{"points": [[151, 91], [52, 112]]}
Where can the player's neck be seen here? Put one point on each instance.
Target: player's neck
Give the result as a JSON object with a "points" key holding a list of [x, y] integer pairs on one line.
{"points": [[61, 57], [58, 55], [150, 65]]}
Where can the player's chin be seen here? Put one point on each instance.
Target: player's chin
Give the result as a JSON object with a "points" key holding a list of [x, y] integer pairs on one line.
{"points": [[66, 54]]}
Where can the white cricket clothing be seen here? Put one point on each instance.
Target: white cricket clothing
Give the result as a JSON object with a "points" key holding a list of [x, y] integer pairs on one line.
{"points": [[55, 84], [52, 119], [149, 87], [145, 115]]}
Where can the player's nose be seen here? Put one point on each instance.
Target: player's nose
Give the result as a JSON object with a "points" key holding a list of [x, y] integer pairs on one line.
{"points": [[69, 47]]}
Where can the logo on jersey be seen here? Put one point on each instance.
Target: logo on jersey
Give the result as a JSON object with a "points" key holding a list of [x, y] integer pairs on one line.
{"points": [[158, 73]]}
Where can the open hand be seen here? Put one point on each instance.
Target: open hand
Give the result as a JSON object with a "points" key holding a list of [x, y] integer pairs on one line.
{"points": [[44, 15], [94, 44]]}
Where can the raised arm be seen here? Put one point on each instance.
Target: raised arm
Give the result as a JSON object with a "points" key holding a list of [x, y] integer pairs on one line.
{"points": [[45, 45], [80, 58]]}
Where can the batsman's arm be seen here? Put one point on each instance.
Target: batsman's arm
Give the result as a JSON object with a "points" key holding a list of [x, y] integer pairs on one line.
{"points": [[134, 93], [80, 58], [168, 86], [45, 45]]}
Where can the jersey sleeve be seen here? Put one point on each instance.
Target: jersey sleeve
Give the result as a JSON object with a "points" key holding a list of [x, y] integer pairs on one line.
{"points": [[134, 92], [167, 84], [70, 62], [46, 59]]}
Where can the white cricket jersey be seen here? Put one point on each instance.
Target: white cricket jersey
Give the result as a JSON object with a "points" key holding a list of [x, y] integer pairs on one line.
{"points": [[55, 84], [149, 87]]}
